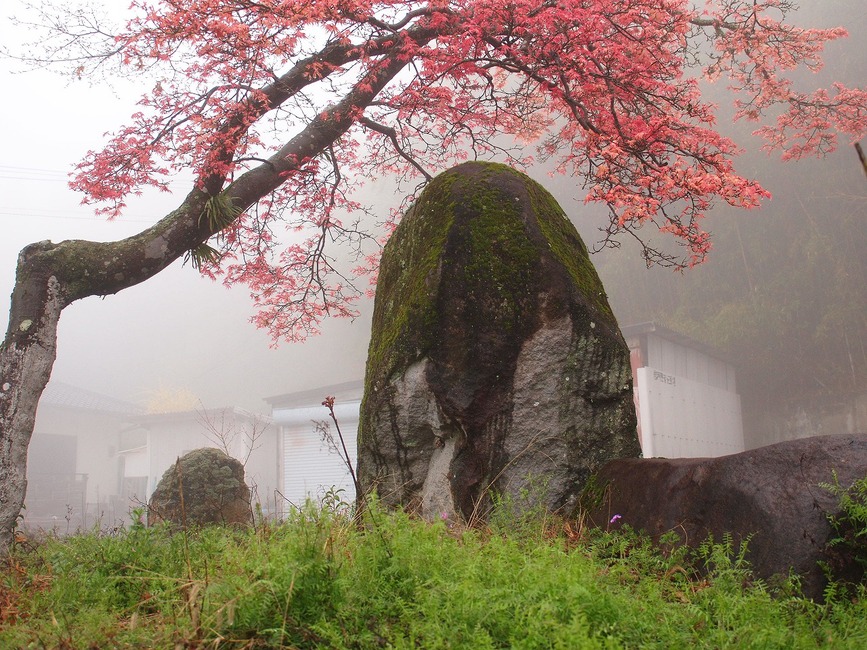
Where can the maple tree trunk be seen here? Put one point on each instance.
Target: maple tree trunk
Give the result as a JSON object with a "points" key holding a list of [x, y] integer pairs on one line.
{"points": [[26, 359]]}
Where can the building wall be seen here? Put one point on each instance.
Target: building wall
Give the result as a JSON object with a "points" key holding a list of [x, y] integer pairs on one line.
{"points": [[686, 399], [91, 467], [313, 465], [681, 418], [676, 359], [90, 459], [171, 435]]}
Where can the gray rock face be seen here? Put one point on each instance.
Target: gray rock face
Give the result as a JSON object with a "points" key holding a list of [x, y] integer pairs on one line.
{"points": [[495, 363], [771, 494], [214, 491]]}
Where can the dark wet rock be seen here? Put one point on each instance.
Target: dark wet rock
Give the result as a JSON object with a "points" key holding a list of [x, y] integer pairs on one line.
{"points": [[214, 491], [495, 363], [770, 496]]}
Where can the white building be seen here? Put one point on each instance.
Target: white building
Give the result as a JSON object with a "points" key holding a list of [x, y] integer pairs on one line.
{"points": [[685, 396], [93, 459], [72, 477], [312, 453], [153, 442]]}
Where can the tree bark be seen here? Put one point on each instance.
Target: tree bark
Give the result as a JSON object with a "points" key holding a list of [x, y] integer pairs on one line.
{"points": [[26, 359]]}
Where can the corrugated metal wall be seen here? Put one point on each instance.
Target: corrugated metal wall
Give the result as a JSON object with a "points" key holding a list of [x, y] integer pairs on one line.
{"points": [[310, 467], [687, 401], [682, 361]]}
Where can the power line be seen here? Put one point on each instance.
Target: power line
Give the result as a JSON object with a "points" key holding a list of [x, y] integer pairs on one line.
{"points": [[43, 175], [36, 170], [31, 174]]}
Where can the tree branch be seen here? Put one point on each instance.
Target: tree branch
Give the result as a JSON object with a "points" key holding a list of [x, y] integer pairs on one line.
{"points": [[391, 134]]}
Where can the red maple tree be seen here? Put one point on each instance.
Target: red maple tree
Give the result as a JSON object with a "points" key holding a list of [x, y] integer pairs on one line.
{"points": [[281, 108]]}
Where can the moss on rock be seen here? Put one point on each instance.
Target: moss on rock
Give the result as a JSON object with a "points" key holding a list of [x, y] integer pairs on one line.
{"points": [[214, 491], [484, 261], [500, 257]]}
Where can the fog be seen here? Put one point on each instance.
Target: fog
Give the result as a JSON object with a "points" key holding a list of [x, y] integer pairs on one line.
{"points": [[181, 333], [782, 295], [178, 332]]}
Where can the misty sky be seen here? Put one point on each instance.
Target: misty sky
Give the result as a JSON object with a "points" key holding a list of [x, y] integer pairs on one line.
{"points": [[176, 331]]}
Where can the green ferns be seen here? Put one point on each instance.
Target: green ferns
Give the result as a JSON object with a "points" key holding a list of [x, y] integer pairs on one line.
{"points": [[321, 580], [846, 563]]}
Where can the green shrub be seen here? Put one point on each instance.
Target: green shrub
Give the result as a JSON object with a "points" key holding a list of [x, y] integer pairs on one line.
{"points": [[847, 548]]}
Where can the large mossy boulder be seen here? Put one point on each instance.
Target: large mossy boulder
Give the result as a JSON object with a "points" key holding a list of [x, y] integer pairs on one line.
{"points": [[496, 368], [204, 486]]}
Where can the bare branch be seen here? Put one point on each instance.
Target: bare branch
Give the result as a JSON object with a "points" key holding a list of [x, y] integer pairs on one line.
{"points": [[391, 134]]}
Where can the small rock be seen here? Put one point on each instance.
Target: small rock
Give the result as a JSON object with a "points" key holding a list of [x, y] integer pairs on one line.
{"points": [[214, 491]]}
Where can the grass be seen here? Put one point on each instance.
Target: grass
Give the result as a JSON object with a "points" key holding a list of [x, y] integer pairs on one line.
{"points": [[318, 580]]}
